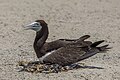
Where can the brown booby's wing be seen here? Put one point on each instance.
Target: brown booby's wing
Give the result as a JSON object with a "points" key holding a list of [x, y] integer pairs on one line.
{"points": [[49, 46], [82, 38], [64, 56], [72, 54]]}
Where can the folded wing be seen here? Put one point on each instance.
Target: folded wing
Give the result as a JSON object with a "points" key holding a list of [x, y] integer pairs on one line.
{"points": [[73, 53]]}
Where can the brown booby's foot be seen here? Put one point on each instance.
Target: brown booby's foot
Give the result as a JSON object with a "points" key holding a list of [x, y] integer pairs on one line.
{"points": [[56, 68]]}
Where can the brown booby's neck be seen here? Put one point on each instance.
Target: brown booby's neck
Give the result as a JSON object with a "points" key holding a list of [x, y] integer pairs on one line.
{"points": [[41, 37]]}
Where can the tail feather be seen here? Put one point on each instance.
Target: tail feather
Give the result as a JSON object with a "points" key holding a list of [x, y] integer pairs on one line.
{"points": [[97, 43], [95, 51], [104, 48]]}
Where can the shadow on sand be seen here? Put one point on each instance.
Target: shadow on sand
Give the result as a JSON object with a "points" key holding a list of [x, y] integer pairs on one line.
{"points": [[87, 67]]}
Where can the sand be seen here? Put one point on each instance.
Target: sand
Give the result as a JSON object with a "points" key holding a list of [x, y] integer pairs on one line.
{"points": [[66, 19]]}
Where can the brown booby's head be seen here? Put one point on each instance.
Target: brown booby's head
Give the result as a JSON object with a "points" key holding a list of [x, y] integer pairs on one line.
{"points": [[37, 25]]}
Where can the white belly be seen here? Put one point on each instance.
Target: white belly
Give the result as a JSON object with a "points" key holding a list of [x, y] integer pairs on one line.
{"points": [[47, 54]]}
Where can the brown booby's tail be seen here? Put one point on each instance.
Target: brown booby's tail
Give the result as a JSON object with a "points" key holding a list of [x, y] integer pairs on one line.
{"points": [[104, 48], [94, 49], [101, 48]]}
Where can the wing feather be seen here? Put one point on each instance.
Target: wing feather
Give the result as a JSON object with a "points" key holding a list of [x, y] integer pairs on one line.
{"points": [[70, 54], [65, 55]]}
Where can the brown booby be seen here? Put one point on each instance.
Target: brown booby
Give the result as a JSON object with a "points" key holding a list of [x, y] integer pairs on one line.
{"points": [[63, 51]]}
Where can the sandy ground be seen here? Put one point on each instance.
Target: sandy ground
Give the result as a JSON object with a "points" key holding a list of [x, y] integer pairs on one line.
{"points": [[66, 19]]}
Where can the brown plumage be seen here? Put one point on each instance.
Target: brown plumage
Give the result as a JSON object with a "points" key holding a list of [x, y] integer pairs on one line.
{"points": [[63, 51]]}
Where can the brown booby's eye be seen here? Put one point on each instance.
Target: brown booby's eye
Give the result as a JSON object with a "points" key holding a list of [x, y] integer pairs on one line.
{"points": [[37, 24]]}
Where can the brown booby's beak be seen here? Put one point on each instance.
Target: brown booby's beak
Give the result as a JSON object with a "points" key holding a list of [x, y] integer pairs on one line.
{"points": [[28, 27], [33, 26]]}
